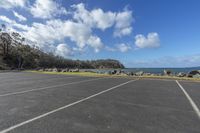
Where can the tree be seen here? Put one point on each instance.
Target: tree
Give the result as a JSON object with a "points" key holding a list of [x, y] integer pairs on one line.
{"points": [[17, 54], [5, 42]]}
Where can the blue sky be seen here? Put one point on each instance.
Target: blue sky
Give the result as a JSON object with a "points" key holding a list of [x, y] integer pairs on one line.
{"points": [[139, 33]]}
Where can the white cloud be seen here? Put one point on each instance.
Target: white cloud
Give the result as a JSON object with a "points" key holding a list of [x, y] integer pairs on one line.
{"points": [[97, 18], [120, 47], [63, 50], [54, 31], [103, 19], [77, 32], [95, 42], [43, 34], [21, 26], [13, 23], [8, 4], [151, 41], [123, 23], [123, 47], [78, 28], [47, 9], [6, 19], [20, 17]]}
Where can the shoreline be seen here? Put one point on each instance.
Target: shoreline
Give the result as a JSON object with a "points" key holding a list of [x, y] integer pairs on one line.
{"points": [[90, 74]]}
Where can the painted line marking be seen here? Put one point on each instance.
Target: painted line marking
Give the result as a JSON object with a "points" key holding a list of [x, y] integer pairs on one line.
{"points": [[194, 106], [48, 87], [61, 108]]}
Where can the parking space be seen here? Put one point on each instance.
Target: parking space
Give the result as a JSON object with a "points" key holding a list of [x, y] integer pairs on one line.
{"points": [[193, 89], [93, 105]]}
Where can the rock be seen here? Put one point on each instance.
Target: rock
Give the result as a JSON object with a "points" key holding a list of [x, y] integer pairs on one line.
{"points": [[59, 70], [114, 72], [55, 70], [74, 70], [119, 72], [194, 74], [140, 73], [40, 69], [48, 70], [65, 70], [181, 74], [167, 72], [129, 73], [153, 74], [147, 74]]}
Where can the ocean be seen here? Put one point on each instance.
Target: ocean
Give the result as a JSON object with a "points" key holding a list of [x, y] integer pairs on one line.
{"points": [[149, 70], [160, 70]]}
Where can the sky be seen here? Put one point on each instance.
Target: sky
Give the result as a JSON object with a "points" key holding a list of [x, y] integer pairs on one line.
{"points": [[139, 33]]}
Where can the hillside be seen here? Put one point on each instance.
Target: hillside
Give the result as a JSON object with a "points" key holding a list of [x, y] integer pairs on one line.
{"points": [[15, 54]]}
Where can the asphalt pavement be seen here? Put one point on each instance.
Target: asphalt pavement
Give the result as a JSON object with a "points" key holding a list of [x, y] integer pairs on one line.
{"points": [[43, 103]]}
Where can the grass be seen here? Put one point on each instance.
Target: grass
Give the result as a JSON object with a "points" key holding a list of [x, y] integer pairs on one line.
{"points": [[91, 74], [172, 78]]}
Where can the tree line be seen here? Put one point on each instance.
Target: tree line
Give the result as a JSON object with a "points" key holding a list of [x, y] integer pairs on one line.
{"points": [[15, 54]]}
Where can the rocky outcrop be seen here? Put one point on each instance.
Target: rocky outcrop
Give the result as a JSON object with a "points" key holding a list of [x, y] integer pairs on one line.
{"points": [[181, 74], [140, 73], [167, 72], [194, 74]]}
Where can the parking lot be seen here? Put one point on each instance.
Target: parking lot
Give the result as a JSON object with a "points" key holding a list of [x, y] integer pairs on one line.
{"points": [[41, 103]]}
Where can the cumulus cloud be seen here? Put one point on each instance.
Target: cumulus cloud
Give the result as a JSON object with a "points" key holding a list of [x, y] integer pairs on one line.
{"points": [[13, 23], [20, 17], [63, 50], [97, 18], [46, 9], [58, 30], [123, 23], [95, 42], [77, 32], [123, 47], [103, 19], [6, 19], [151, 41], [21, 26], [78, 28], [8, 4]]}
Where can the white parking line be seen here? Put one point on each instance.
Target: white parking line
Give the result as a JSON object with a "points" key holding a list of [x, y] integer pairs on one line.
{"points": [[194, 106], [61, 108], [48, 87]]}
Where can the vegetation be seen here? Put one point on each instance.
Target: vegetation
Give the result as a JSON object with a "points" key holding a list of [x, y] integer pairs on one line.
{"points": [[91, 74], [16, 54]]}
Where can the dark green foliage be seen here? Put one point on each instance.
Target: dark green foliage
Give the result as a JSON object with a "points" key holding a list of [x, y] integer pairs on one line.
{"points": [[14, 54]]}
